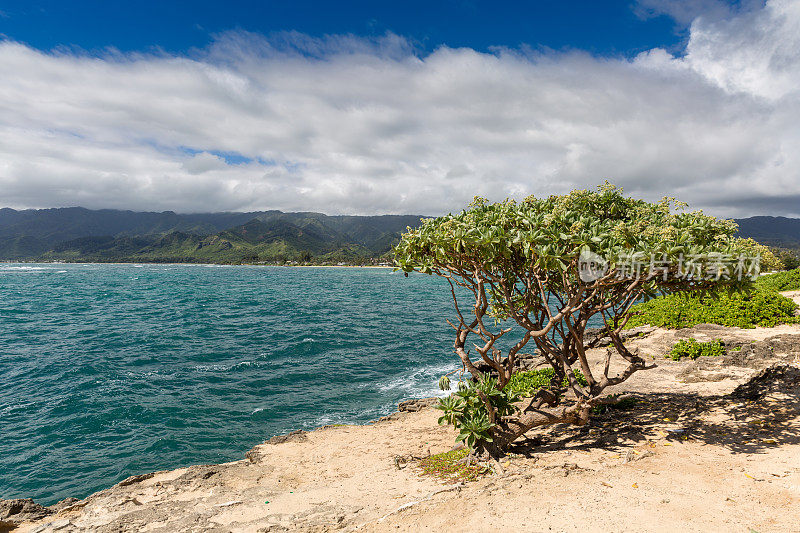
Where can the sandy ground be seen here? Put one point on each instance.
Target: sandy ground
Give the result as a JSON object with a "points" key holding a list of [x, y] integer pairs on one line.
{"points": [[688, 457], [794, 295]]}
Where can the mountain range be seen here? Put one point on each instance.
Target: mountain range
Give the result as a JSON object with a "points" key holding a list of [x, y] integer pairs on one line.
{"points": [[78, 234], [773, 231]]}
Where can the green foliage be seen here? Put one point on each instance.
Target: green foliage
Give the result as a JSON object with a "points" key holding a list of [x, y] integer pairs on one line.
{"points": [[780, 281], [451, 466], [768, 262], [527, 383], [549, 235], [790, 258], [747, 309], [738, 309], [693, 349], [468, 411]]}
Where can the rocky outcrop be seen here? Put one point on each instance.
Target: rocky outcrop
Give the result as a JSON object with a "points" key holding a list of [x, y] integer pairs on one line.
{"points": [[412, 406], [294, 436], [14, 512], [742, 356], [780, 377]]}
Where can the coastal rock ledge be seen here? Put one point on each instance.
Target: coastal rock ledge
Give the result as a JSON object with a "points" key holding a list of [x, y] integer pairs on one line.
{"points": [[709, 445], [15, 512]]}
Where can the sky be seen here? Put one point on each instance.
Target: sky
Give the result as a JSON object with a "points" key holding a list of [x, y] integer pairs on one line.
{"points": [[376, 107]]}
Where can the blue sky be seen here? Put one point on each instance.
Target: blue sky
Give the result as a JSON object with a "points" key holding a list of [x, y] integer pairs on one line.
{"points": [[397, 107], [607, 27]]}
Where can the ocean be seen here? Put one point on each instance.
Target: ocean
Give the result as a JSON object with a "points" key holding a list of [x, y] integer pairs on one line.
{"points": [[110, 370]]}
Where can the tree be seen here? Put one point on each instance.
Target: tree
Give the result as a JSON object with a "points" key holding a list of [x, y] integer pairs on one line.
{"points": [[790, 259], [534, 273]]}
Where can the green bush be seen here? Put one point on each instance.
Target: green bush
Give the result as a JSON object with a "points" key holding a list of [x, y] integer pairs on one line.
{"points": [[467, 410], [744, 310], [780, 281], [693, 349], [790, 258], [526, 383]]}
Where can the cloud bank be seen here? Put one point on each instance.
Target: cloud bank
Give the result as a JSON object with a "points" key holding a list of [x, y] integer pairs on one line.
{"points": [[350, 125]]}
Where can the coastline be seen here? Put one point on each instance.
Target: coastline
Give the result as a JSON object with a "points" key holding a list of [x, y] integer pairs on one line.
{"points": [[8, 262], [363, 477]]}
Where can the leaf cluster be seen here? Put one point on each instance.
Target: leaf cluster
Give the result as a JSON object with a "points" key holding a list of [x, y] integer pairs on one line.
{"points": [[692, 349], [527, 383], [547, 235], [473, 409], [451, 466]]}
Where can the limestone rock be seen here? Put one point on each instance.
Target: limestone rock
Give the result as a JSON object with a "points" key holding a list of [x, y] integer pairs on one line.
{"points": [[14, 512], [412, 406]]}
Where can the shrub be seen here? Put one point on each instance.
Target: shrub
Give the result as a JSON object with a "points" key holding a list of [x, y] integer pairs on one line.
{"points": [[768, 261], [790, 258], [693, 349], [468, 408], [527, 383], [738, 309], [780, 281], [537, 272]]}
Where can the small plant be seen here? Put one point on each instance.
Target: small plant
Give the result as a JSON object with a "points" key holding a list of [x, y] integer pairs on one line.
{"points": [[452, 466], [475, 409], [527, 383], [692, 349]]}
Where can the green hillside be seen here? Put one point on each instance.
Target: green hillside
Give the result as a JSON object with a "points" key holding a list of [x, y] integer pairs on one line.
{"points": [[773, 231], [76, 234], [107, 235]]}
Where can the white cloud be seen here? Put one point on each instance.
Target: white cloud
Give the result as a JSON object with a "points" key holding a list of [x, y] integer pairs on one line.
{"points": [[348, 125], [756, 53], [684, 12]]}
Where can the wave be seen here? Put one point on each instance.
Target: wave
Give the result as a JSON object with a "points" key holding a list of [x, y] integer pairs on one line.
{"points": [[420, 383], [23, 268], [225, 368]]}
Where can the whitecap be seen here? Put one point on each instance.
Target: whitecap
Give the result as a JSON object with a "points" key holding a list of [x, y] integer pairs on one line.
{"points": [[420, 383], [223, 368], [24, 268]]}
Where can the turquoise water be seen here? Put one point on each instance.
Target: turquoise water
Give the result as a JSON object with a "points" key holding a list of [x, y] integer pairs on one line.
{"points": [[112, 370]]}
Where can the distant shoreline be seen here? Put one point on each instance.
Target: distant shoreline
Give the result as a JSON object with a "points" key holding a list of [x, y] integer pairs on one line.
{"points": [[7, 262]]}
